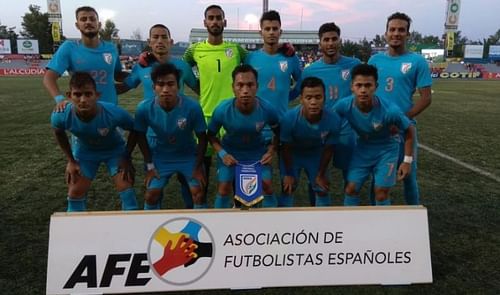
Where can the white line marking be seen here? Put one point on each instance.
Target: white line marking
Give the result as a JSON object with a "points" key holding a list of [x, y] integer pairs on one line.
{"points": [[463, 164]]}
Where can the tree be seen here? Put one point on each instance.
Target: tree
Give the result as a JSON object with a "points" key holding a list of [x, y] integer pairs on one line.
{"points": [[495, 38], [8, 33], [136, 34], [415, 38], [433, 40], [109, 31], [36, 26], [379, 41], [350, 48]]}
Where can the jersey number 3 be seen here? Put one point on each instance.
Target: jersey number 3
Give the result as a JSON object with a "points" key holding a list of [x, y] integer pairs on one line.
{"points": [[389, 86]]}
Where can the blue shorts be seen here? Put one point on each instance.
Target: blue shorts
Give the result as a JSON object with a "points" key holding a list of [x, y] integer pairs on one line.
{"points": [[89, 167], [226, 173], [167, 168], [342, 152], [308, 162], [379, 161]]}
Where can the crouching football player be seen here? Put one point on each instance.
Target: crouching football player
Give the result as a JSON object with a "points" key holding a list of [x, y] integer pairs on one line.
{"points": [[243, 119], [175, 119], [377, 123], [308, 133], [96, 140]]}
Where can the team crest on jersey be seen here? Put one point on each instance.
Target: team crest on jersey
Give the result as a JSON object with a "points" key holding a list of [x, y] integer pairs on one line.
{"points": [[283, 65], [229, 52], [259, 126], [108, 58], [182, 123], [405, 67], [377, 126], [346, 74], [103, 131], [323, 135]]}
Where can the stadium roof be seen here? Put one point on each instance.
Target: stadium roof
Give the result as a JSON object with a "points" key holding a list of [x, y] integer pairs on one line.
{"points": [[253, 37]]}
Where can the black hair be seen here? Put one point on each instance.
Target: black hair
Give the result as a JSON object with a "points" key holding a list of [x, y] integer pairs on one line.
{"points": [[311, 82], [159, 26], [364, 70], [401, 16], [244, 69], [87, 9], [328, 27], [81, 79], [213, 6], [165, 69], [270, 15]]}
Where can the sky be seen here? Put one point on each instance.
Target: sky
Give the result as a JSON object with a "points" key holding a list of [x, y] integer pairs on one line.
{"points": [[356, 18]]}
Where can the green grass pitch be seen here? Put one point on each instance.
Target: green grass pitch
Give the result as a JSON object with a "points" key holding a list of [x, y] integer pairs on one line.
{"points": [[463, 206]]}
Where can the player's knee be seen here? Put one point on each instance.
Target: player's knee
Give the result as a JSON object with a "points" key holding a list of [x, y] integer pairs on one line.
{"points": [[152, 196], [381, 194], [351, 189], [78, 189], [224, 189], [197, 194], [267, 187]]}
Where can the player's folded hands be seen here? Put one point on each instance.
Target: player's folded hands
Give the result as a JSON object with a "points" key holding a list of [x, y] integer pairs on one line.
{"points": [[150, 174]]}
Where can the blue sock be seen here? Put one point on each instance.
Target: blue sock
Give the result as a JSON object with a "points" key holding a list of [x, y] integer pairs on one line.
{"points": [[156, 206], [285, 200], [351, 200], [411, 191], [77, 205], [128, 199], [323, 201], [386, 202], [200, 206], [222, 202], [270, 201]]}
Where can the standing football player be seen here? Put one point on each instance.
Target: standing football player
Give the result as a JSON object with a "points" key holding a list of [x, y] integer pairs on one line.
{"points": [[89, 54]]}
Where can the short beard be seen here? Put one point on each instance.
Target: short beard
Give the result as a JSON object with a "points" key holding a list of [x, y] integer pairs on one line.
{"points": [[90, 35], [216, 34]]}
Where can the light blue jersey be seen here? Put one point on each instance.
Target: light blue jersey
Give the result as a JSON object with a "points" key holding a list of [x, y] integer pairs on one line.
{"points": [[337, 80], [143, 75], [101, 62], [243, 136], [175, 130], [336, 77], [274, 77], [306, 138], [377, 150], [99, 136], [399, 77], [378, 128]]}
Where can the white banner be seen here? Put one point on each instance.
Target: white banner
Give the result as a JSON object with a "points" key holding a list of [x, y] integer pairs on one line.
{"points": [[5, 46], [27, 46], [452, 15], [473, 51], [494, 51], [104, 252]]}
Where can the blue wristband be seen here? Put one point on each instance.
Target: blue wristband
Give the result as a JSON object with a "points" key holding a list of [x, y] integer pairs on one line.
{"points": [[59, 98], [222, 153]]}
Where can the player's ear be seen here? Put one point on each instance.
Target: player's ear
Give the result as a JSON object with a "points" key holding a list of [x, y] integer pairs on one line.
{"points": [[171, 42], [225, 23], [68, 94], [76, 25], [97, 95]]}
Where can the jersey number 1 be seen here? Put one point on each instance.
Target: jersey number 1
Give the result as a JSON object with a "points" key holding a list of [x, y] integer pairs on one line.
{"points": [[218, 65]]}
